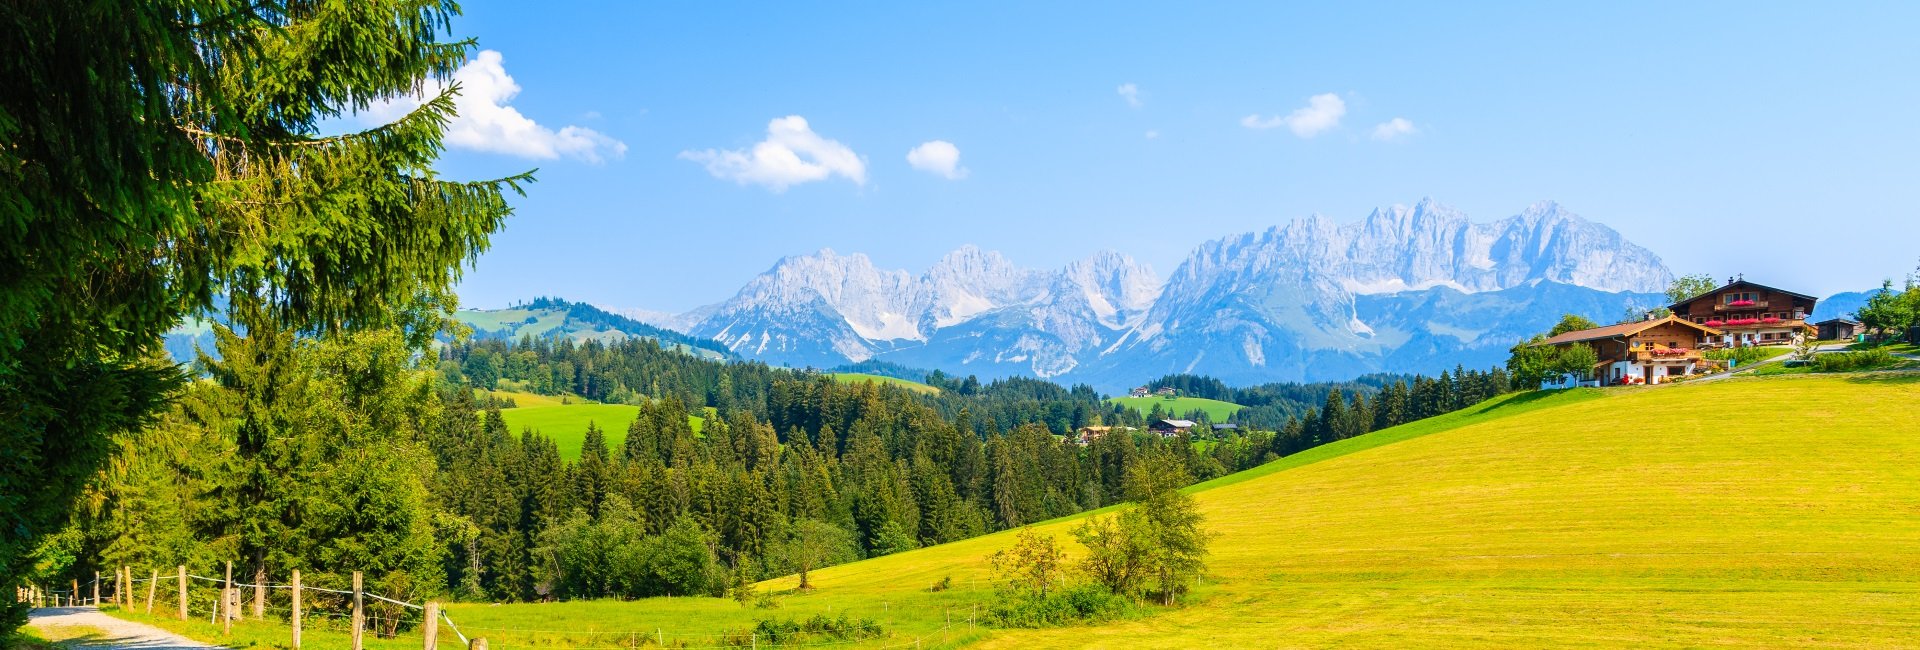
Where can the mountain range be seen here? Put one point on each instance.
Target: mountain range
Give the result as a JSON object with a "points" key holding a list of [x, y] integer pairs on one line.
{"points": [[1416, 288]]}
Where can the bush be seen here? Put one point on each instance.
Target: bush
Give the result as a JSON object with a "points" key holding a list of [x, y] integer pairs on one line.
{"points": [[944, 584], [1742, 357], [1081, 603], [1870, 359], [841, 628]]}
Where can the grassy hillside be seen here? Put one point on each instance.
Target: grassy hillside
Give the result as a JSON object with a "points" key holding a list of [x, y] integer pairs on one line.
{"points": [[567, 424], [580, 322], [856, 377], [1178, 406], [524, 399], [1632, 517]]}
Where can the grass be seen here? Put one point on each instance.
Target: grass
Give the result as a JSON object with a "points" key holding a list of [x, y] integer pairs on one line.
{"points": [[856, 377], [567, 425], [54, 637], [1622, 517], [1748, 356], [1175, 407], [1896, 347], [1865, 360], [522, 399], [316, 632]]}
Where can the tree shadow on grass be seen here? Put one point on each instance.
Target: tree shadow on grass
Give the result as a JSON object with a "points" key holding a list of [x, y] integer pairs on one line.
{"points": [[1884, 377], [1566, 395]]}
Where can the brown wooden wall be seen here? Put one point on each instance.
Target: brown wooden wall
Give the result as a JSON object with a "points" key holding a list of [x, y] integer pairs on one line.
{"points": [[1673, 335], [1701, 309]]}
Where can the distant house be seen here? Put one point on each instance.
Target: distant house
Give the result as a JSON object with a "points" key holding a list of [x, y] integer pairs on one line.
{"points": [[1139, 392], [1166, 391], [1834, 329], [1641, 352], [1225, 427], [1171, 428], [1086, 435], [1746, 313]]}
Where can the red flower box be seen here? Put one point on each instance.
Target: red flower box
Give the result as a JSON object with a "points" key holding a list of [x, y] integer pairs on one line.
{"points": [[1740, 303], [1770, 319], [1714, 323]]}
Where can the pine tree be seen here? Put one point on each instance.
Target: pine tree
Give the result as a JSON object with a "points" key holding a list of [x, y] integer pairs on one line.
{"points": [[159, 155]]}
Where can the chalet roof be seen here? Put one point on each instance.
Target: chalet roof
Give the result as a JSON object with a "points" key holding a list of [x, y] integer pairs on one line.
{"points": [[1178, 424], [1225, 426], [1839, 319], [1623, 329], [1738, 283]]}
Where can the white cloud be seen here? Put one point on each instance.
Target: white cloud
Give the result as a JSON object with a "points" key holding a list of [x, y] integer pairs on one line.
{"points": [[1131, 93], [792, 154], [1394, 129], [938, 157], [1321, 113], [1153, 135], [486, 123]]}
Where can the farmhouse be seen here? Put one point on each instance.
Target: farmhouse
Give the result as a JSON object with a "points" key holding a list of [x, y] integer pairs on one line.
{"points": [[1641, 352], [1086, 435], [1747, 313], [1167, 391], [1834, 329], [1139, 392], [1171, 428]]}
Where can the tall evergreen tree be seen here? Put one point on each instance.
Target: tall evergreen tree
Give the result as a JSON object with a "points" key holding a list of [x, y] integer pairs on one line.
{"points": [[160, 154]]}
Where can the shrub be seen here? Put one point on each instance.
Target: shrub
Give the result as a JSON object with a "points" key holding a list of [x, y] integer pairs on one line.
{"points": [[1854, 361], [1082, 603], [1742, 356], [840, 628], [944, 584]]}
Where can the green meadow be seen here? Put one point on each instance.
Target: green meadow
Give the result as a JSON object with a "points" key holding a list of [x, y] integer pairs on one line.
{"points": [[857, 377], [567, 424], [1175, 407], [1649, 517]]}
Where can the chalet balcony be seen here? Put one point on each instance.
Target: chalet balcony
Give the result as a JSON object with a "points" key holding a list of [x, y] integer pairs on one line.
{"points": [[1756, 323], [1747, 305], [1659, 353]]}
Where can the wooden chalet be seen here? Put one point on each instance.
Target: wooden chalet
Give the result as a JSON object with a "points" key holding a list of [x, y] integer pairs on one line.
{"points": [[1086, 435], [1641, 352], [1171, 428], [1747, 313]]}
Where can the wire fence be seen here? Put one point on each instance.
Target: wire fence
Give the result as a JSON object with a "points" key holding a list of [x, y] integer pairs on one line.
{"points": [[333, 608]]}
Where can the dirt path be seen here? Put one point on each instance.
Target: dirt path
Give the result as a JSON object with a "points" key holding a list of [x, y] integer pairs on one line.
{"points": [[112, 632]]}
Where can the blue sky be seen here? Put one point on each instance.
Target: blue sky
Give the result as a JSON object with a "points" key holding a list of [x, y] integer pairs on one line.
{"points": [[1728, 138]]}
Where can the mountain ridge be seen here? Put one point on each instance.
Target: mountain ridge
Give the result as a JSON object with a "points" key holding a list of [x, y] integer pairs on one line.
{"points": [[1283, 303]]}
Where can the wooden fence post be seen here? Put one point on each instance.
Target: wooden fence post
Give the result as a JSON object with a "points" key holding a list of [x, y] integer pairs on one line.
{"points": [[478, 643], [226, 601], [359, 612], [296, 609], [96, 589], [260, 592], [126, 581], [153, 585], [73, 596], [183, 592], [431, 629]]}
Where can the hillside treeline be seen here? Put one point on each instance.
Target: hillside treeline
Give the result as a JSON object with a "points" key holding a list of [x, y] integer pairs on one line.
{"points": [[639, 371], [1272, 406], [347, 453]]}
